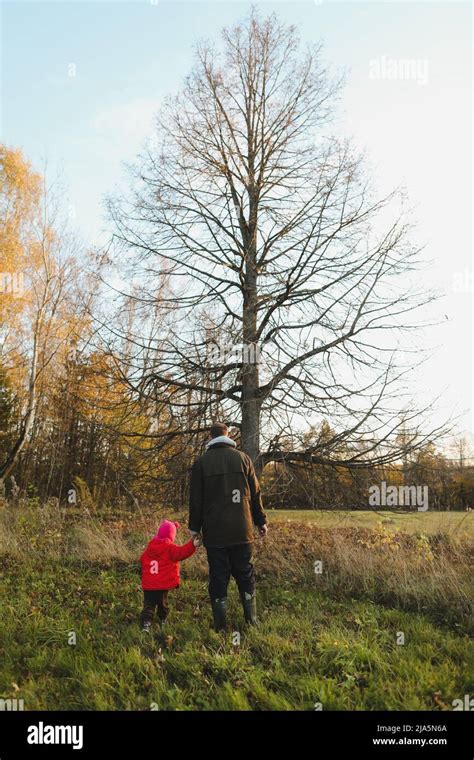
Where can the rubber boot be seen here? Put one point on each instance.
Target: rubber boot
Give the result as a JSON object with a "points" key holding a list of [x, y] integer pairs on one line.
{"points": [[145, 622], [219, 612], [249, 603]]}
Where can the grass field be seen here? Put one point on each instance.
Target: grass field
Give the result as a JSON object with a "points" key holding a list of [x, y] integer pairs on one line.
{"points": [[454, 523], [331, 639]]}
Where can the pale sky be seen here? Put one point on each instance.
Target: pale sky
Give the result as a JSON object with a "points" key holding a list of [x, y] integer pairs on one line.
{"points": [[82, 80]]}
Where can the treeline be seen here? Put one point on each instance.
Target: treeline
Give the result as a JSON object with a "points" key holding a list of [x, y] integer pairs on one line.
{"points": [[450, 484], [94, 445]]}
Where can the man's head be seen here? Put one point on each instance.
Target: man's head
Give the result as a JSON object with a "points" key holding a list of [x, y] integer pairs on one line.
{"points": [[217, 429]]}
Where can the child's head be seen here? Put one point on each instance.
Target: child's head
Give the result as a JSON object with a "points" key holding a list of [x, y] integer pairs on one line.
{"points": [[168, 529]]}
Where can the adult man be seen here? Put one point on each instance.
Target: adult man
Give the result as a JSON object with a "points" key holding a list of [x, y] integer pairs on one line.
{"points": [[225, 504]]}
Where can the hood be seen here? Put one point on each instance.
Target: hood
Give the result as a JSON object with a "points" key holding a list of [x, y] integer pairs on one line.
{"points": [[167, 529], [221, 439]]}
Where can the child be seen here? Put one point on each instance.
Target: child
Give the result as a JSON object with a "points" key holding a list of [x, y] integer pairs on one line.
{"points": [[160, 570]]}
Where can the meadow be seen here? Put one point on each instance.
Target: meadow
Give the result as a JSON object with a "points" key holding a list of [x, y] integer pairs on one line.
{"points": [[357, 611], [453, 523]]}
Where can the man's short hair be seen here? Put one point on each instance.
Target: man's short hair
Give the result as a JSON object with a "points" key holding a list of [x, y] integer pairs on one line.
{"points": [[218, 428]]}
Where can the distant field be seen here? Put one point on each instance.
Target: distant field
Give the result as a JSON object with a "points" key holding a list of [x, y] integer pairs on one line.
{"points": [[460, 523]]}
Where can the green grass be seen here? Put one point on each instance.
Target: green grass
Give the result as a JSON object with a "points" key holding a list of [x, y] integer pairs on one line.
{"points": [[308, 648], [329, 638], [458, 523]]}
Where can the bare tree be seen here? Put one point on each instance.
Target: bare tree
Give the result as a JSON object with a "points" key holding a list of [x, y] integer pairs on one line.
{"points": [[289, 282]]}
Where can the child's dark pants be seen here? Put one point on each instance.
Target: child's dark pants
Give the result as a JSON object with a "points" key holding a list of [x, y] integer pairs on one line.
{"points": [[226, 561], [152, 599]]}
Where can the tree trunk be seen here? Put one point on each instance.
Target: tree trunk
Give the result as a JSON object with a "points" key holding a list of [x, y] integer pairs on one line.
{"points": [[250, 400], [8, 465], [250, 430]]}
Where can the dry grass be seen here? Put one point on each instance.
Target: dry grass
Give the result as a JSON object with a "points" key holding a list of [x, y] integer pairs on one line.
{"points": [[8, 538], [416, 573], [413, 572], [93, 543]]}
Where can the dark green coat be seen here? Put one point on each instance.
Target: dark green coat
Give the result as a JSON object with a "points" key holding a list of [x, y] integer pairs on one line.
{"points": [[225, 501]]}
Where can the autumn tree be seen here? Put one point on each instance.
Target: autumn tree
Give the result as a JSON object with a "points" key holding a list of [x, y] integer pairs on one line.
{"points": [[266, 226], [37, 259], [7, 406]]}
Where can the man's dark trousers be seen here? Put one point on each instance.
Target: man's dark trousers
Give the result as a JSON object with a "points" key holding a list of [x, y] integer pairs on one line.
{"points": [[226, 561]]}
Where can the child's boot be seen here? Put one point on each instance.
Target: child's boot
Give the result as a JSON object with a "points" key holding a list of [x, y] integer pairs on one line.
{"points": [[146, 620], [249, 603], [219, 612]]}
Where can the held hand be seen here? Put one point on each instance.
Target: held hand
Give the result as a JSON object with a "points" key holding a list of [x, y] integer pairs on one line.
{"points": [[263, 530], [197, 540]]}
